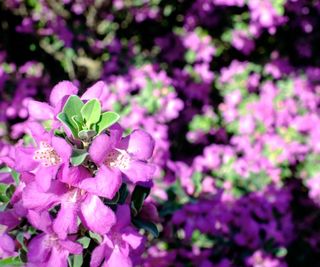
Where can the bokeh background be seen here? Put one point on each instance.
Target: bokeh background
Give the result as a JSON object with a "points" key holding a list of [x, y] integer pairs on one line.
{"points": [[230, 90]]}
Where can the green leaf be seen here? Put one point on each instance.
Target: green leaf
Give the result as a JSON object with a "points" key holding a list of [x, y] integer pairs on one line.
{"points": [[190, 56], [96, 237], [73, 108], [65, 121], [77, 260], [5, 169], [112, 201], [20, 238], [201, 240], [12, 261], [107, 119], [139, 194], [148, 226], [59, 133], [168, 208], [6, 192], [84, 241], [124, 192], [91, 112], [78, 156], [15, 176], [86, 135], [197, 181], [3, 193], [77, 121]]}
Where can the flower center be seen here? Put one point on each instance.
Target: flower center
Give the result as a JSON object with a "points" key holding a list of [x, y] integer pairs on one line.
{"points": [[46, 155], [51, 241], [117, 158]]}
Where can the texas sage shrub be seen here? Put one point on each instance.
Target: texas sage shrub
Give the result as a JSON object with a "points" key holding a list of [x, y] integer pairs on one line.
{"points": [[229, 91]]}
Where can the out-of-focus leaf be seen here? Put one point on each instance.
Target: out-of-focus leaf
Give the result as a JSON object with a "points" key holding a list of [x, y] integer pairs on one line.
{"points": [[139, 194], [15, 176], [112, 201], [197, 179], [150, 227], [20, 238], [12, 261], [124, 192], [6, 191]]}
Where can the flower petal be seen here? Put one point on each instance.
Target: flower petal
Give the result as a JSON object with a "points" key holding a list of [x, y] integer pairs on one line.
{"points": [[139, 144], [40, 220], [73, 175], [38, 132], [99, 148], [37, 249], [66, 221], [106, 183], [9, 218], [44, 176], [97, 256], [72, 247], [139, 171], [116, 132], [7, 246], [132, 237], [40, 110], [117, 259], [62, 148], [23, 159], [123, 217], [58, 258], [96, 216], [34, 198], [99, 90], [61, 90]]}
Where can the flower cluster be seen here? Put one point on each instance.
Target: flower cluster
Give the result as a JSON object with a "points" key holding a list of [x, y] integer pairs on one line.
{"points": [[78, 180]]}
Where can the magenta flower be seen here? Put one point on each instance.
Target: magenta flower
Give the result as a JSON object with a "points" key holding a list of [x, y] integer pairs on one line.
{"points": [[7, 246], [117, 245], [47, 249], [59, 94], [51, 153], [75, 202], [128, 155], [78, 180]]}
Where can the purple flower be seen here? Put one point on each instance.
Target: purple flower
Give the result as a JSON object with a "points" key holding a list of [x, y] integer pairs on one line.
{"points": [[74, 202], [44, 111], [7, 245], [47, 249], [118, 243], [51, 153], [128, 155]]}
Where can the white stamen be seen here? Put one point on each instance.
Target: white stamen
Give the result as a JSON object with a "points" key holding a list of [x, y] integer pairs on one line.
{"points": [[118, 158], [46, 155]]}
